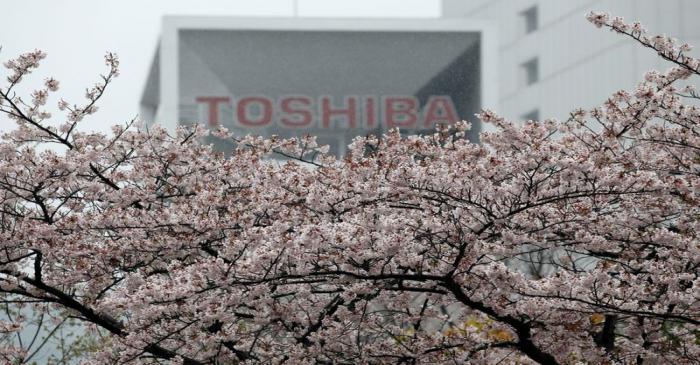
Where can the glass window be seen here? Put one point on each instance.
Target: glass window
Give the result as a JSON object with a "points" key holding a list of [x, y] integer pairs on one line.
{"points": [[532, 115], [529, 19], [530, 71]]}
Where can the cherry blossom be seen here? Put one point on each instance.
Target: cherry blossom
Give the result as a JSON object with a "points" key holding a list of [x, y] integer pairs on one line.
{"points": [[550, 242]]}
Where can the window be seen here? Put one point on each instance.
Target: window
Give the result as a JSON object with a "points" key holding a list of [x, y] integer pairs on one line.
{"points": [[530, 72], [529, 19], [532, 115]]}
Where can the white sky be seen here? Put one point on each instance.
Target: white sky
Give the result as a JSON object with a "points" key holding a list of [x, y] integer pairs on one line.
{"points": [[77, 33]]}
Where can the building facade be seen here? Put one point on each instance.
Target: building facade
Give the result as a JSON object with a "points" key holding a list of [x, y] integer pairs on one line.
{"points": [[333, 78], [339, 78], [551, 60]]}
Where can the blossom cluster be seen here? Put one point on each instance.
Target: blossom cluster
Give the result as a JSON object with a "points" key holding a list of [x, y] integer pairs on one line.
{"points": [[553, 242]]}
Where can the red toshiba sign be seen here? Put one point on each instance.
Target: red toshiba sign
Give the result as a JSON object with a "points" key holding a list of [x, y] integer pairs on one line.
{"points": [[325, 112]]}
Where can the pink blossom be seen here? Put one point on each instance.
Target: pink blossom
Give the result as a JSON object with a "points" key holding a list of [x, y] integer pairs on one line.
{"points": [[548, 242]]}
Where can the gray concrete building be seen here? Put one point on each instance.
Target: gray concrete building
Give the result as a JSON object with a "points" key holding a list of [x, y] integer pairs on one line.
{"points": [[342, 77], [551, 59], [334, 78]]}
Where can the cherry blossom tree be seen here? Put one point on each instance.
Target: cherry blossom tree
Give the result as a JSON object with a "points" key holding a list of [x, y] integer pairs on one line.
{"points": [[416, 249]]}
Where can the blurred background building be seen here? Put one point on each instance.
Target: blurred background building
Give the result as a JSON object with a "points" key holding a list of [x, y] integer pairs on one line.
{"points": [[342, 77], [329, 77], [551, 60]]}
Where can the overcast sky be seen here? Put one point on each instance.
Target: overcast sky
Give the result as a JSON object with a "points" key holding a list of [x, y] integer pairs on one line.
{"points": [[77, 33]]}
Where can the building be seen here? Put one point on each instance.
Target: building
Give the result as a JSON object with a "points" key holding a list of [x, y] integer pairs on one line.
{"points": [[339, 78], [334, 78], [551, 60]]}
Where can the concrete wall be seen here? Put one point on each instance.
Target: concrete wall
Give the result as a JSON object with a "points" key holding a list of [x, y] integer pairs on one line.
{"points": [[579, 65]]}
